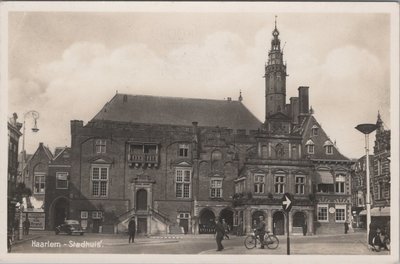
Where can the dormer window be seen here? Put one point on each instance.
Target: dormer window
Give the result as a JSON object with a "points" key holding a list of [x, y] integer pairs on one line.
{"points": [[314, 130], [310, 146], [328, 147]]}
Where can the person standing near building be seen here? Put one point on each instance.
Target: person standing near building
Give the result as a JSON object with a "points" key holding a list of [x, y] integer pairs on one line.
{"points": [[260, 230], [226, 227], [346, 227], [219, 234], [132, 230]]}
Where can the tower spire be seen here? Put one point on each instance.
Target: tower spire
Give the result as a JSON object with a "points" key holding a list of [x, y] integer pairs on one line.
{"points": [[275, 20]]}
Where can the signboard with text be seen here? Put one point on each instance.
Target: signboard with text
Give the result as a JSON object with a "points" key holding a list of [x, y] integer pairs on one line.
{"points": [[37, 220]]}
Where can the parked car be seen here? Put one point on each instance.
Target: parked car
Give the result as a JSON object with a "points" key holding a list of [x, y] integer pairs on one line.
{"points": [[70, 227]]}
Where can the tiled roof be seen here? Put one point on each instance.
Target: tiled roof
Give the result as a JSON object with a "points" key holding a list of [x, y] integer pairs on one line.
{"points": [[178, 111], [319, 141]]}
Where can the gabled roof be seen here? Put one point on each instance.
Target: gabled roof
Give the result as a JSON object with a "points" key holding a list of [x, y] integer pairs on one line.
{"points": [[178, 111], [59, 152], [319, 141]]}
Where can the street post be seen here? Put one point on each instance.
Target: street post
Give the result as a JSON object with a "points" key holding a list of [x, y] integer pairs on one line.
{"points": [[287, 202]]}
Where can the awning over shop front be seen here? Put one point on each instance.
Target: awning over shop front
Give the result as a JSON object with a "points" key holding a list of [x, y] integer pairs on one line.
{"points": [[324, 177], [378, 211]]}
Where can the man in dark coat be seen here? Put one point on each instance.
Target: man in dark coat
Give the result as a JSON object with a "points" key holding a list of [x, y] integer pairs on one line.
{"points": [[346, 227], [132, 230], [219, 234], [260, 230]]}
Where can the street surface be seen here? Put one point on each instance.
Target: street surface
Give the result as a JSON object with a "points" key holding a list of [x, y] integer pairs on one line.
{"points": [[48, 242]]}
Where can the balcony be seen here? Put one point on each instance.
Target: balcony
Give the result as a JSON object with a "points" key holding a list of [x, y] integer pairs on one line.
{"points": [[148, 160]]}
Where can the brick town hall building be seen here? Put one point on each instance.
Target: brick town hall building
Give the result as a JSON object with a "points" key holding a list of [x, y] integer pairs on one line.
{"points": [[175, 164]]}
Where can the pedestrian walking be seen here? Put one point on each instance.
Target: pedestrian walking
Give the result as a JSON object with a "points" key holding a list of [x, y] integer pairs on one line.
{"points": [[346, 227], [226, 228], [304, 228], [132, 230], [26, 226], [219, 234]]}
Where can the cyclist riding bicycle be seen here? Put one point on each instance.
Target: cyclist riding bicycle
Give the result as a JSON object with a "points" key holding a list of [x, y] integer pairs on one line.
{"points": [[260, 230]]}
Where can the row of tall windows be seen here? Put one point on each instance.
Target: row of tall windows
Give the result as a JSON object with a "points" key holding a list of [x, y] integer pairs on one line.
{"points": [[279, 184]]}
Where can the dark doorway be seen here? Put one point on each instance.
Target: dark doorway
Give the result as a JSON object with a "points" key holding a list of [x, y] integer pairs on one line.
{"points": [[206, 223], [299, 219], [96, 226], [60, 211], [279, 223], [185, 224], [141, 200], [227, 214], [142, 225]]}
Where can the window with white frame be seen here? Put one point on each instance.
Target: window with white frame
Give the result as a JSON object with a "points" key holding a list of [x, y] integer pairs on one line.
{"points": [[322, 213], [340, 183], [61, 180], [183, 150], [100, 178], [280, 184], [340, 213], [216, 188], [300, 183], [259, 181], [310, 146], [40, 182], [100, 146], [97, 214], [328, 145], [84, 214], [183, 179], [183, 215]]}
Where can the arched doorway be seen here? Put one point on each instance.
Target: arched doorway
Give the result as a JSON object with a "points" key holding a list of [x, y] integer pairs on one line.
{"points": [[60, 211], [206, 222], [255, 217], [279, 223], [227, 214], [141, 200], [299, 222]]}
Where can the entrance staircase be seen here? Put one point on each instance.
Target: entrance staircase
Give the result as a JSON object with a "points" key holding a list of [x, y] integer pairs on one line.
{"points": [[159, 221]]}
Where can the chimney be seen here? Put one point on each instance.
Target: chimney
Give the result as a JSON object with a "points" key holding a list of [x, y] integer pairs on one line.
{"points": [[195, 141], [75, 124], [294, 101], [303, 100]]}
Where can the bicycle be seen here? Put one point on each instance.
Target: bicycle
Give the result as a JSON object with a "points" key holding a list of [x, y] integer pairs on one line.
{"points": [[271, 241]]}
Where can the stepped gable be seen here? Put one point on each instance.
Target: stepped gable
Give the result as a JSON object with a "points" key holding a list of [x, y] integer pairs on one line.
{"points": [[178, 111], [319, 142]]}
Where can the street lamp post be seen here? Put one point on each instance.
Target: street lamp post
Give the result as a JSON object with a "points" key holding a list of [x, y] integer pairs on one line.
{"points": [[35, 115], [366, 129]]}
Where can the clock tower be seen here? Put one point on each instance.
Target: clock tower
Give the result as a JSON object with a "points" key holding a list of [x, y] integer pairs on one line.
{"points": [[275, 78]]}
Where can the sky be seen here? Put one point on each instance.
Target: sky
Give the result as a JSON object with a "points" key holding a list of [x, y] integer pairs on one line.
{"points": [[67, 65]]}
